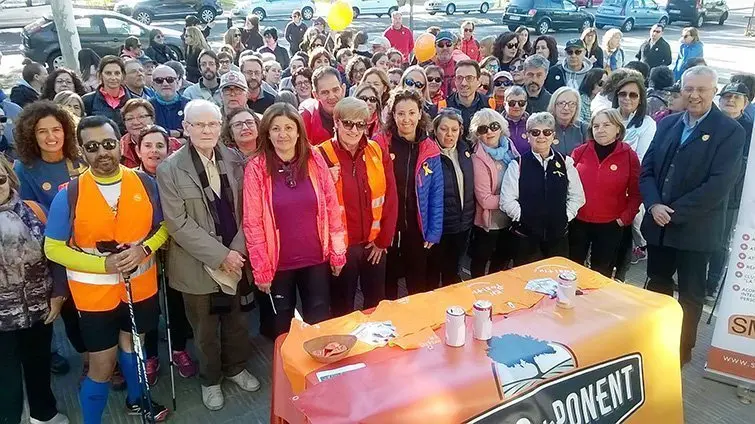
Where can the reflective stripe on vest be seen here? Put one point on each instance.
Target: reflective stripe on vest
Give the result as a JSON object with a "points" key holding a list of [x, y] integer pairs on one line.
{"points": [[373, 158], [95, 222]]}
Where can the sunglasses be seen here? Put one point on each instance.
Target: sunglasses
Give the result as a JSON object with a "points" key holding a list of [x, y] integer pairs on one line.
{"points": [[483, 129], [521, 103], [468, 30], [573, 52], [94, 146], [512, 45], [443, 45], [236, 35], [369, 99], [349, 125], [411, 83], [435, 79], [536, 132], [3, 119], [632, 95], [485, 87], [160, 80], [600, 83], [3, 179], [503, 83]]}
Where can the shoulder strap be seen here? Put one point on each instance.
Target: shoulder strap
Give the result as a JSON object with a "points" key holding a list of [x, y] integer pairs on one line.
{"points": [[72, 192], [149, 186], [38, 211], [324, 155]]}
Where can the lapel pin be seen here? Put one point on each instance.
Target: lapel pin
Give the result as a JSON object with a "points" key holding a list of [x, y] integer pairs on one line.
{"points": [[614, 167], [426, 168], [524, 135], [393, 156], [706, 137], [558, 165], [46, 186], [468, 155]]}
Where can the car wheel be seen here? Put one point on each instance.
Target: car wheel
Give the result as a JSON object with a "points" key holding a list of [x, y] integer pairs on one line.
{"points": [[207, 14], [663, 22], [484, 8], [260, 12], [450, 9], [429, 13], [55, 60], [723, 18], [627, 26], [355, 11], [585, 24], [543, 27], [699, 22], [307, 13], [177, 51], [143, 16], [391, 10]]}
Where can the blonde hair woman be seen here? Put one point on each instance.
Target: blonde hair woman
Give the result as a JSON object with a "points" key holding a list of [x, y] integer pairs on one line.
{"points": [[195, 43], [71, 102], [613, 53], [232, 37], [565, 106], [415, 78], [593, 51]]}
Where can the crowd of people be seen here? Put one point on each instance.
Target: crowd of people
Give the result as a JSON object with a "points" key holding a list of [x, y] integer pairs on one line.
{"points": [[253, 175]]}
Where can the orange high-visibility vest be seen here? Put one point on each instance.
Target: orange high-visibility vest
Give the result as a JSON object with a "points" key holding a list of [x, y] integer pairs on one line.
{"points": [[442, 104], [373, 158], [95, 221]]}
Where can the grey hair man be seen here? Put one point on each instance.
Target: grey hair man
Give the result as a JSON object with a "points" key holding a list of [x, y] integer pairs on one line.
{"points": [[687, 173], [201, 198], [535, 73]]}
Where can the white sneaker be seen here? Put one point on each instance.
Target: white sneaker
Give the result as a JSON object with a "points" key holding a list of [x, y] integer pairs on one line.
{"points": [[212, 397], [246, 381], [57, 419]]}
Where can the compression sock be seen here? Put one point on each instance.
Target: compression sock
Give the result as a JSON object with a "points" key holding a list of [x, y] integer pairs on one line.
{"points": [[93, 397], [127, 360]]}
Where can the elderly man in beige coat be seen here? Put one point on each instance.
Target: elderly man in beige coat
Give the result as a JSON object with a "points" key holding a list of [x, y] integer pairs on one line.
{"points": [[200, 192]]}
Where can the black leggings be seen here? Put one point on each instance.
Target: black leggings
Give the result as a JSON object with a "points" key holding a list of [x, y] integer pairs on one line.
{"points": [[601, 240], [407, 257], [371, 278], [444, 260], [496, 246], [179, 326]]}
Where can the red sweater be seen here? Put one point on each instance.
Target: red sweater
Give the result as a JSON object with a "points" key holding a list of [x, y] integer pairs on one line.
{"points": [[471, 48], [357, 198], [612, 187], [310, 114], [401, 40]]}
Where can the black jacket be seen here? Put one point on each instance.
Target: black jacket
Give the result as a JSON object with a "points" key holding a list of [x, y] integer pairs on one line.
{"points": [[22, 95], [479, 103], [160, 53], [192, 65], [458, 216], [294, 34], [693, 179], [95, 104], [735, 197], [598, 54], [252, 39], [281, 55], [655, 56]]}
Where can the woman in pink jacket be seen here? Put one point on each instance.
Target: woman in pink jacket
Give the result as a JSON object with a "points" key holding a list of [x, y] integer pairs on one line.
{"points": [[493, 152], [292, 223]]}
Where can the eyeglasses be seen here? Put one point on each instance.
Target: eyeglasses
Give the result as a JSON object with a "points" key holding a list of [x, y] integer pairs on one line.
{"points": [[213, 125], [512, 45], [503, 83], [468, 78], [132, 119], [236, 35], [160, 80], [250, 123], [3, 179], [369, 99], [536, 132], [574, 52], [303, 83], [566, 104], [516, 68], [485, 87], [468, 29], [94, 146], [435, 79], [411, 83], [225, 61], [443, 45], [349, 125], [483, 129], [521, 103], [632, 95], [3, 119]]}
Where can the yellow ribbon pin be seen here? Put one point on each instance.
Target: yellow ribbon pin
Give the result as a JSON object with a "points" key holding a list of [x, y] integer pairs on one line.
{"points": [[426, 168], [706, 137], [558, 165]]}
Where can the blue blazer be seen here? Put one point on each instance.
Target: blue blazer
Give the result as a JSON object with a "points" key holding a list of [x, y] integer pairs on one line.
{"points": [[705, 170]]}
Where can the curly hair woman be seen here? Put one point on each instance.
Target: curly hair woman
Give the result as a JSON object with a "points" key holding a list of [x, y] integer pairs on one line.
{"points": [[506, 49], [62, 79]]}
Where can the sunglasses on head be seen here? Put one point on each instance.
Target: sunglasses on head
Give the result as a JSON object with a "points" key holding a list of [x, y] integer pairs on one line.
{"points": [[369, 99], [572, 52], [483, 129], [632, 95], [94, 146], [3, 179], [160, 80], [411, 83], [512, 45], [435, 79], [521, 103], [349, 125], [503, 83], [536, 132], [443, 44]]}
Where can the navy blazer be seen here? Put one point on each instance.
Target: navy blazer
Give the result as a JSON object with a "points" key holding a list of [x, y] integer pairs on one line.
{"points": [[706, 168]]}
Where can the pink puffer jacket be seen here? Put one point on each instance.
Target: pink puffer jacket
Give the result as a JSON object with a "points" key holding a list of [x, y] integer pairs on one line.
{"points": [[262, 239]]}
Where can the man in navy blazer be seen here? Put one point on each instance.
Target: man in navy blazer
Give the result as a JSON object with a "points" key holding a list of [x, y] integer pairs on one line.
{"points": [[687, 173]]}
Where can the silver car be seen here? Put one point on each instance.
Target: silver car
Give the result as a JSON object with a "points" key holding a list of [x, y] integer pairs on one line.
{"points": [[274, 8]]}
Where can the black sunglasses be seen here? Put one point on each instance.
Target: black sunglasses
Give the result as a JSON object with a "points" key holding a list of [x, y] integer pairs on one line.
{"points": [[94, 146], [483, 129], [571, 52], [512, 45], [485, 87], [411, 83], [468, 29], [160, 80], [435, 79], [3, 119], [369, 99], [349, 125], [632, 95], [536, 132], [503, 83], [521, 103], [443, 45]]}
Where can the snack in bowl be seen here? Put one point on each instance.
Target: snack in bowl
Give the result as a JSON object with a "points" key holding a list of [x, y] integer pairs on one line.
{"points": [[331, 348]]}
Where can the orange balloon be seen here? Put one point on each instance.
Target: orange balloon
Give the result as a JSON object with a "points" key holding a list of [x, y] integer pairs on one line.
{"points": [[424, 47], [340, 16]]}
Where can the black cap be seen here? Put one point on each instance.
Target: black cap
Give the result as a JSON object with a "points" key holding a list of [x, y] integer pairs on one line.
{"points": [[575, 43], [734, 87]]}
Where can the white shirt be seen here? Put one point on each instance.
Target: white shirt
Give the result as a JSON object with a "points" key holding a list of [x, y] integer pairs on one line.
{"points": [[575, 195], [111, 193], [639, 138]]}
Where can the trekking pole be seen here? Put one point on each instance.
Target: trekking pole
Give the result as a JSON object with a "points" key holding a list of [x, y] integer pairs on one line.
{"points": [[164, 287], [147, 414]]}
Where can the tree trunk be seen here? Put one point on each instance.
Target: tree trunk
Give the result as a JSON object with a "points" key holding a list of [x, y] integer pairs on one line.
{"points": [[68, 34]]}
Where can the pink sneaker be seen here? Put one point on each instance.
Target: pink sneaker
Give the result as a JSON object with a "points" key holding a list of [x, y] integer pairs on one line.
{"points": [[153, 370], [186, 367]]}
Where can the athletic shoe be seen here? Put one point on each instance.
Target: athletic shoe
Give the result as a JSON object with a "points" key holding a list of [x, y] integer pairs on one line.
{"points": [[246, 381], [153, 370], [58, 364], [57, 419], [160, 412], [639, 254], [117, 382], [186, 367], [212, 397]]}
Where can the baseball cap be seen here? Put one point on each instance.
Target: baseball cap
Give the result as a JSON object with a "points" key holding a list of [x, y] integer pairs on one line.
{"points": [[503, 74], [233, 78], [444, 35], [734, 87], [379, 40], [575, 43]]}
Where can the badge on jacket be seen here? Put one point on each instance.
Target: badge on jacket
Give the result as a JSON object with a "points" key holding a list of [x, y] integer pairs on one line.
{"points": [[468, 155], [559, 173], [426, 168], [614, 167], [706, 137]]}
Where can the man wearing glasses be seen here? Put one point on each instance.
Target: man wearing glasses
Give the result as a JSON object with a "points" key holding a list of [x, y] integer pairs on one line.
{"points": [[655, 51], [466, 99], [444, 50], [200, 193], [572, 70], [168, 104], [119, 206]]}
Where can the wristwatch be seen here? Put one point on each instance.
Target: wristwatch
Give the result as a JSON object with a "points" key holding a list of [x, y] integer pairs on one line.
{"points": [[147, 250]]}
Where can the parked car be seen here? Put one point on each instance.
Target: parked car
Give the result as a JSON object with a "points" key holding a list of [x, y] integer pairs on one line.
{"points": [[589, 3], [697, 12], [274, 8], [145, 11], [629, 14], [544, 15], [101, 31], [373, 7], [452, 6]]}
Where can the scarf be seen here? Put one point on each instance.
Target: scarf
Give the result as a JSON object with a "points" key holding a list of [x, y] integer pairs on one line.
{"points": [[503, 152], [160, 100]]}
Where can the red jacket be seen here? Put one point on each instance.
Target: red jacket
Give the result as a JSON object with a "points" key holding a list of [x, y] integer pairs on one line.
{"points": [[449, 71], [357, 197], [401, 40], [612, 187], [310, 114], [471, 48]]}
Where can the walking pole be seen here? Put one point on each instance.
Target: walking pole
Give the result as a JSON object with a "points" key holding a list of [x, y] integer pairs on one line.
{"points": [[718, 297], [148, 415], [164, 288]]}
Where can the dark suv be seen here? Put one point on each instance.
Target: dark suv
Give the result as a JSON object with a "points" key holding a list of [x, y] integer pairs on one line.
{"points": [[697, 12], [145, 11], [544, 15]]}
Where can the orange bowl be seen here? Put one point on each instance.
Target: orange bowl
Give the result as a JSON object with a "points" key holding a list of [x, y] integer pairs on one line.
{"points": [[315, 347]]}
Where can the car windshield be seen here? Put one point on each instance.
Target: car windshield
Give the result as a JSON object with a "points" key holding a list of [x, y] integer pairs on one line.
{"points": [[522, 3]]}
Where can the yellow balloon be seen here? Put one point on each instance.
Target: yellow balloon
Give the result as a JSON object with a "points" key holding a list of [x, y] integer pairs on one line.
{"points": [[340, 16], [424, 47]]}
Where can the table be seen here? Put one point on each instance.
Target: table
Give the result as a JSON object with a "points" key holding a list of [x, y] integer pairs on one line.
{"points": [[613, 358]]}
